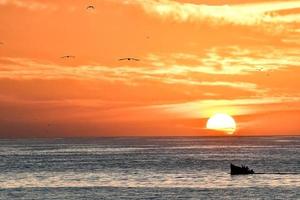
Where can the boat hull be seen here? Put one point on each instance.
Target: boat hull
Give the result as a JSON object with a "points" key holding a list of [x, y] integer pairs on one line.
{"points": [[236, 170]]}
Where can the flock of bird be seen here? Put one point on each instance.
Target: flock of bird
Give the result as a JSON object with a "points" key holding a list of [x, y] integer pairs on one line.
{"points": [[91, 7]]}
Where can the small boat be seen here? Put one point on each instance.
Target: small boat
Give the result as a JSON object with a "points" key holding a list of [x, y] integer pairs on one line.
{"points": [[237, 170]]}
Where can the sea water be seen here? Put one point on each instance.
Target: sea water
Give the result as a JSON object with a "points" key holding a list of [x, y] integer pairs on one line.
{"points": [[149, 168]]}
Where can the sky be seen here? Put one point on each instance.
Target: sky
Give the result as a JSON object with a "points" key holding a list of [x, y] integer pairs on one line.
{"points": [[196, 58]]}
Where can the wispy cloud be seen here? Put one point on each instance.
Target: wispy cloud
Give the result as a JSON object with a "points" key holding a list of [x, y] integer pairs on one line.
{"points": [[206, 108], [230, 60], [28, 4], [17, 68], [239, 14], [227, 63]]}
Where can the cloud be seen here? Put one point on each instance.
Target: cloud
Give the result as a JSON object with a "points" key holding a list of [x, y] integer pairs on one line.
{"points": [[239, 85], [238, 14], [216, 67], [28, 4], [237, 60], [206, 108], [18, 68], [228, 60]]}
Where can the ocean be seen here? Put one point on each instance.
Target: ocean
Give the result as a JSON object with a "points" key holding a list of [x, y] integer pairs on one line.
{"points": [[149, 168]]}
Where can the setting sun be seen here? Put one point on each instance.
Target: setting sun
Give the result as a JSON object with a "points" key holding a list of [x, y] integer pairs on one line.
{"points": [[221, 122]]}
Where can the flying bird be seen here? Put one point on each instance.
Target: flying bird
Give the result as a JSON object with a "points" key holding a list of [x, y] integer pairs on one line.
{"points": [[133, 59], [90, 7], [66, 57], [261, 69]]}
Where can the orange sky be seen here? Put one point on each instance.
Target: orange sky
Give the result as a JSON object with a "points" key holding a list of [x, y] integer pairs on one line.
{"points": [[197, 58]]}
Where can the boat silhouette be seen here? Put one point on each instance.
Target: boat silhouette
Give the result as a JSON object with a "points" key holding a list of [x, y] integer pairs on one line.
{"points": [[237, 170]]}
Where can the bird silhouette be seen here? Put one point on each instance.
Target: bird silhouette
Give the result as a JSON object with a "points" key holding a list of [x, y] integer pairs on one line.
{"points": [[133, 59], [90, 7], [68, 56], [261, 69]]}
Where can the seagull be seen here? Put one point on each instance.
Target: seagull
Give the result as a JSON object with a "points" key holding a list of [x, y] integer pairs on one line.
{"points": [[133, 59], [90, 7], [65, 57], [261, 69]]}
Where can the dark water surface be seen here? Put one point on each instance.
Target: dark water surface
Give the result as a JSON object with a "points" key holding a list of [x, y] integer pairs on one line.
{"points": [[149, 168]]}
